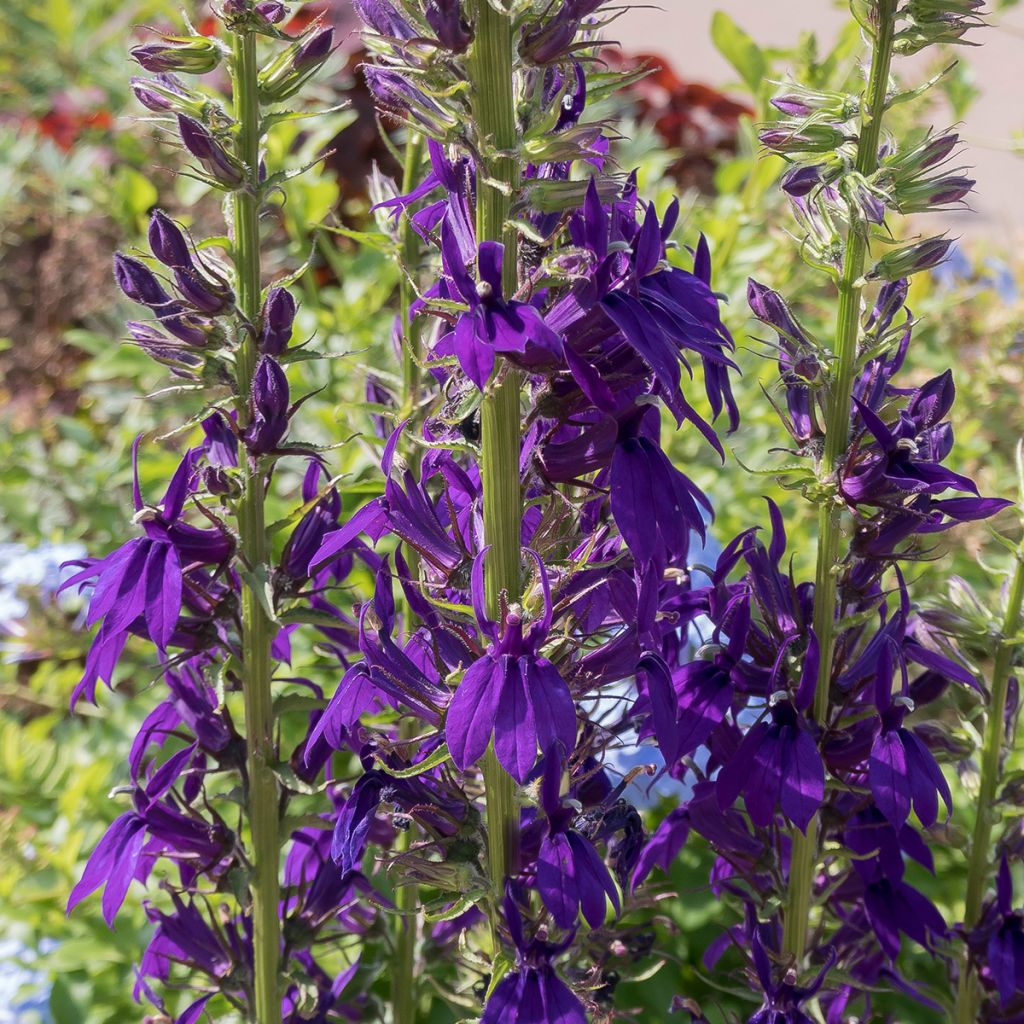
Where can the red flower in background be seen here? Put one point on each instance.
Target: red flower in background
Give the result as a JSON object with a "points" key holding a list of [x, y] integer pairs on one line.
{"points": [[696, 119]]}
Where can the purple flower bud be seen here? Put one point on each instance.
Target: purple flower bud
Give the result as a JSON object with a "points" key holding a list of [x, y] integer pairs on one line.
{"points": [[269, 407], [793, 105], [314, 50], [273, 12], [207, 296], [196, 56], [161, 93], [382, 17], [168, 242], [911, 259], [820, 137], [937, 149], [395, 95], [189, 329], [219, 482], [453, 31], [801, 181], [891, 299], [770, 307], [551, 41], [159, 347], [278, 317], [216, 161], [138, 282], [285, 75]]}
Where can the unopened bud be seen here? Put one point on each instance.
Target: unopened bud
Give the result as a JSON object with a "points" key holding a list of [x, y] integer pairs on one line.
{"points": [[192, 55]]}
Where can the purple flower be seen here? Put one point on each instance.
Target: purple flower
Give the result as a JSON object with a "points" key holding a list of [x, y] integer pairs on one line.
{"points": [[570, 873], [901, 769], [492, 325], [113, 863], [776, 766], [532, 992], [999, 938], [654, 504], [511, 692]]}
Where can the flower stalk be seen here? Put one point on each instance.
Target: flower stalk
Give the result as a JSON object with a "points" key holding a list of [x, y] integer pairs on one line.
{"points": [[403, 981], [257, 630], [494, 108], [979, 869], [837, 416]]}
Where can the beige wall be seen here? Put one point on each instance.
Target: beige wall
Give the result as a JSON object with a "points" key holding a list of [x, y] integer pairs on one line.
{"points": [[681, 31]]}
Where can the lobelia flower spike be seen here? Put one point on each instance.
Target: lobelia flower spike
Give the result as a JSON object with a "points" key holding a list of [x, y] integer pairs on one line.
{"points": [[534, 362], [807, 703], [209, 796]]}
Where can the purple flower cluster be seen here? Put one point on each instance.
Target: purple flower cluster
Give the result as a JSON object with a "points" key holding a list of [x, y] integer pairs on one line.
{"points": [[597, 330], [805, 702]]}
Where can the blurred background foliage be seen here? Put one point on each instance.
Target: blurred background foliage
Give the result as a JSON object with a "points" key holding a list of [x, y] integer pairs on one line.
{"points": [[80, 170]]}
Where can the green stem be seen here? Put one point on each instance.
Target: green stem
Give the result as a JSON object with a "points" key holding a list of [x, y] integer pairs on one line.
{"points": [[491, 73], [257, 632], [979, 867], [406, 292], [837, 436], [403, 981]]}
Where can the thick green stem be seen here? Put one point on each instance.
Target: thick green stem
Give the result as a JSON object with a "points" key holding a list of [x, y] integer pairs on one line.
{"points": [[837, 436], [979, 867], [494, 112], [403, 979], [257, 631]]}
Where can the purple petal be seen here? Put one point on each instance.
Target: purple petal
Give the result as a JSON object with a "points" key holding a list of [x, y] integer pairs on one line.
{"points": [[472, 712]]}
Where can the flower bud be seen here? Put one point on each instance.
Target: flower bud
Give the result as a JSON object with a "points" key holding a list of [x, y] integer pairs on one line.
{"points": [[168, 242], [770, 308], [891, 298], [210, 297], [932, 193], [290, 70], [552, 41], [162, 349], [381, 16], [215, 160], [397, 96], [911, 259], [273, 12], [819, 137], [453, 32], [138, 282], [268, 406], [277, 319], [802, 180], [192, 55], [219, 482], [190, 329], [163, 93]]}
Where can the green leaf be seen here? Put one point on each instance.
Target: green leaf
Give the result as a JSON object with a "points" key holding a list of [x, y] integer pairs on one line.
{"points": [[740, 50], [437, 757]]}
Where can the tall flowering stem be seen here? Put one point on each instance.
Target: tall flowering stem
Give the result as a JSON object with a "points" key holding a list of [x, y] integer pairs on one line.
{"points": [[838, 404], [979, 870], [494, 107], [257, 632], [213, 806]]}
